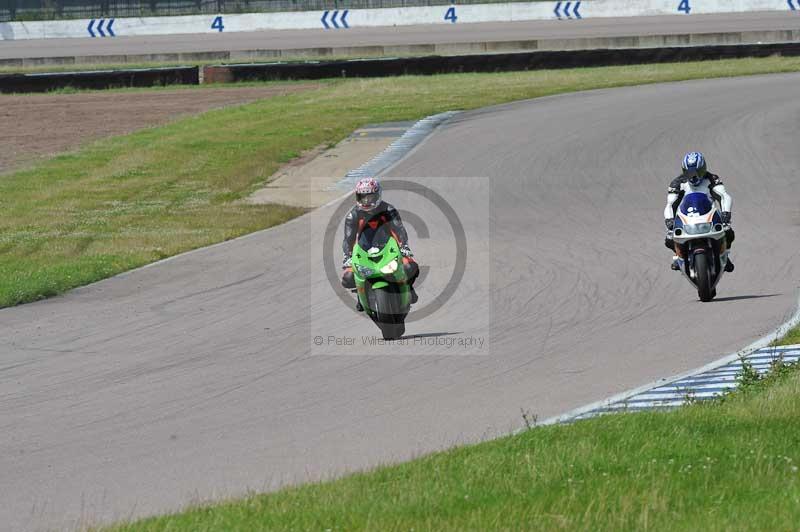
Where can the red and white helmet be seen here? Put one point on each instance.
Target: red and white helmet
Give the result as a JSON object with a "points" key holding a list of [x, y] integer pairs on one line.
{"points": [[368, 193]]}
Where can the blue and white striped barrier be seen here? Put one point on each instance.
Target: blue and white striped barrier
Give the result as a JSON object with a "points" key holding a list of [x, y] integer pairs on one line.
{"points": [[701, 384], [710, 384], [396, 150]]}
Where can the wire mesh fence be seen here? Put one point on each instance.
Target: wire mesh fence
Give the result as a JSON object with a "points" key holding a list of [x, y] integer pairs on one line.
{"points": [[69, 9]]}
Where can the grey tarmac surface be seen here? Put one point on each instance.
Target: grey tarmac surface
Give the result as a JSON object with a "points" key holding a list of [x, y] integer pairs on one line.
{"points": [[198, 378], [424, 34]]}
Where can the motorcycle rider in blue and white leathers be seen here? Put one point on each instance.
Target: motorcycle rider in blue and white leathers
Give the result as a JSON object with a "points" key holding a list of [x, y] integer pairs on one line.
{"points": [[696, 178]]}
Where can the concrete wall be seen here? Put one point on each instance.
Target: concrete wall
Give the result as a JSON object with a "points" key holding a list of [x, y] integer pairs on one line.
{"points": [[379, 17], [494, 62], [489, 62], [648, 41]]}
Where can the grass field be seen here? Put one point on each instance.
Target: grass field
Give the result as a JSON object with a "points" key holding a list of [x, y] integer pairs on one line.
{"points": [[127, 201], [725, 465]]}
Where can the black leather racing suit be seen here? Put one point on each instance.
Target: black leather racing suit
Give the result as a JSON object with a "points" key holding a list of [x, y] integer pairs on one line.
{"points": [[357, 219]]}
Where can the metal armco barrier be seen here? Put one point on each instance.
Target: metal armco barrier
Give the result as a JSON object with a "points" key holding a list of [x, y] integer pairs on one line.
{"points": [[151, 77]]}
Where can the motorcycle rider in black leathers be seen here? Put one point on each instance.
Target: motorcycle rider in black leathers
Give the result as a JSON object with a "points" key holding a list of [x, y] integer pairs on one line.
{"points": [[370, 209], [694, 175]]}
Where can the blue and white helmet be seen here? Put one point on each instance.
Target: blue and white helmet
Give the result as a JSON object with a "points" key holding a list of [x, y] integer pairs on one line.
{"points": [[694, 167]]}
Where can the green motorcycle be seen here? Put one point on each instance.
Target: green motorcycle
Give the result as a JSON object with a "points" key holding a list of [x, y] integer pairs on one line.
{"points": [[381, 282]]}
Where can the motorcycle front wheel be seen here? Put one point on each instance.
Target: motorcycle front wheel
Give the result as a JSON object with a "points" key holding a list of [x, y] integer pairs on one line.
{"points": [[704, 289], [388, 313]]}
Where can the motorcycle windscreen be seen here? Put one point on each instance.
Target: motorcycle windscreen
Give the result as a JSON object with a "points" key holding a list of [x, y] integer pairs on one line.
{"points": [[376, 237], [696, 204]]}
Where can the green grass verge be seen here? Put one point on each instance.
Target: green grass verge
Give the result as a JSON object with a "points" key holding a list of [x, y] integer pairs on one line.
{"points": [[791, 338], [726, 465], [130, 200]]}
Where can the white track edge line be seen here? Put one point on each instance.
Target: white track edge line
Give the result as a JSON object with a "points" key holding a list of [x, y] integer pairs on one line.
{"points": [[762, 342]]}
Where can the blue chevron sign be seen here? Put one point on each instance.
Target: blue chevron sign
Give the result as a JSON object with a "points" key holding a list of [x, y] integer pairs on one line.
{"points": [[575, 13], [91, 28], [792, 6], [342, 19]]}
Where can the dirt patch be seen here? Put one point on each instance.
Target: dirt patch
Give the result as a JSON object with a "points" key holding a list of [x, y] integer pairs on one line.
{"points": [[37, 126], [311, 179]]}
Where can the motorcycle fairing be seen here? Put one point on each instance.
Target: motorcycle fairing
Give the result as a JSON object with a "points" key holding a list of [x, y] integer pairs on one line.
{"points": [[696, 207], [376, 249], [699, 230]]}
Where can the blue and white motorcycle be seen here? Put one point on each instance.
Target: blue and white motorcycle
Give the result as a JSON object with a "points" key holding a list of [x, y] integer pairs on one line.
{"points": [[702, 245]]}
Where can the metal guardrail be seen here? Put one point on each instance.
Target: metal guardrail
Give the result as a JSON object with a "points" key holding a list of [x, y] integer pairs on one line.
{"points": [[19, 10]]}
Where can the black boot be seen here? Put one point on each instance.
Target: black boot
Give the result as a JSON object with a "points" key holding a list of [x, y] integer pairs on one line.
{"points": [[729, 266], [414, 297], [359, 308]]}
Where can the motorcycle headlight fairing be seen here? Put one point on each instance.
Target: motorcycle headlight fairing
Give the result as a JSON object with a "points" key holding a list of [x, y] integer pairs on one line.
{"points": [[697, 229], [389, 268]]}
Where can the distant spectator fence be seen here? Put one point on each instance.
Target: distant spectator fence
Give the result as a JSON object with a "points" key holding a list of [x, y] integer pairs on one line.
{"points": [[21, 10]]}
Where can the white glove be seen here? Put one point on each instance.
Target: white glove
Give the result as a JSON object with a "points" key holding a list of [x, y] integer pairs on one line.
{"points": [[406, 251]]}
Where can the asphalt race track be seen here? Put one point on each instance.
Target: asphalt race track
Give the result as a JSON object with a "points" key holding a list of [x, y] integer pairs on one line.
{"points": [[198, 377], [403, 35]]}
